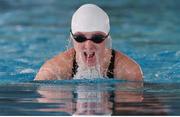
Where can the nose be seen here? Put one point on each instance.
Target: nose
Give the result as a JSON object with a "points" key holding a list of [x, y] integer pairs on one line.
{"points": [[89, 44]]}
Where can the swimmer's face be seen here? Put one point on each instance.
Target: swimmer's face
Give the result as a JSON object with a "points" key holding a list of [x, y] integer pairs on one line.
{"points": [[89, 46]]}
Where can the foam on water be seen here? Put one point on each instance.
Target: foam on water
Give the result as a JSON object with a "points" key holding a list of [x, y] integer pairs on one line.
{"points": [[88, 72]]}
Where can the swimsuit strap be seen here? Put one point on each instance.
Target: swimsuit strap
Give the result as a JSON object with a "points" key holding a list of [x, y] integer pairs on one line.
{"points": [[75, 66], [110, 72]]}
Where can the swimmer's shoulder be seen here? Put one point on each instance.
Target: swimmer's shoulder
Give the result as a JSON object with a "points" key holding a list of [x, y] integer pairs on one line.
{"points": [[64, 57], [58, 67], [127, 68]]}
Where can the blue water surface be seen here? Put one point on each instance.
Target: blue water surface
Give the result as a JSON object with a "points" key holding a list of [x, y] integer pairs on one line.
{"points": [[33, 31]]}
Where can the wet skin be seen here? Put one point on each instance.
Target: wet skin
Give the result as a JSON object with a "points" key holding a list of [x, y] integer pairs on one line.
{"points": [[89, 53]]}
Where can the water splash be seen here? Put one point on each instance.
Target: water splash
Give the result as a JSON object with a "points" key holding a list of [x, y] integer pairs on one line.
{"points": [[86, 72]]}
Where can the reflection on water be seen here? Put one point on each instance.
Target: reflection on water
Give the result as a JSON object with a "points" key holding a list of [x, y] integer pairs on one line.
{"points": [[33, 31], [125, 98], [148, 31]]}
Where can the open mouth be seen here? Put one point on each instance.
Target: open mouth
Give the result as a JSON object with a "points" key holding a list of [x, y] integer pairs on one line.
{"points": [[89, 58], [89, 55]]}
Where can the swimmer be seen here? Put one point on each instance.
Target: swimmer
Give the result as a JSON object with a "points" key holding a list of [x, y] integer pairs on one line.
{"points": [[91, 51]]}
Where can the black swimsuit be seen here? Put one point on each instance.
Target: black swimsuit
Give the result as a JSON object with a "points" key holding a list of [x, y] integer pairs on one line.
{"points": [[110, 72]]}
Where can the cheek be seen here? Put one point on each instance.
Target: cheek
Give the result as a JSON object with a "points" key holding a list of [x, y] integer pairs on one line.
{"points": [[101, 47], [77, 46]]}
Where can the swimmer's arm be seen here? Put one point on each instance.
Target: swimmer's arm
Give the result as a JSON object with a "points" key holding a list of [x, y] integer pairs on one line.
{"points": [[46, 72], [128, 69], [134, 73]]}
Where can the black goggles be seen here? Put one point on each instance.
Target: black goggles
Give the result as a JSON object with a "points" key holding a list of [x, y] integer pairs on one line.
{"points": [[97, 38]]}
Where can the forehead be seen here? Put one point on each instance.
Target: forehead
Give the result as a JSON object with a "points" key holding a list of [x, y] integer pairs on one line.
{"points": [[91, 33]]}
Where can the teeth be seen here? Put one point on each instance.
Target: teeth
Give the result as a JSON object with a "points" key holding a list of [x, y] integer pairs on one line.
{"points": [[89, 54]]}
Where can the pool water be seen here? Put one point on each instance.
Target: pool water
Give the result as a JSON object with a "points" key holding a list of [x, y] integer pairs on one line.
{"points": [[100, 97], [33, 31]]}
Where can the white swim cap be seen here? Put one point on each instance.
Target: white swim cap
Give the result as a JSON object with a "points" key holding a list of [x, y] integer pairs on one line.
{"points": [[88, 18]]}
